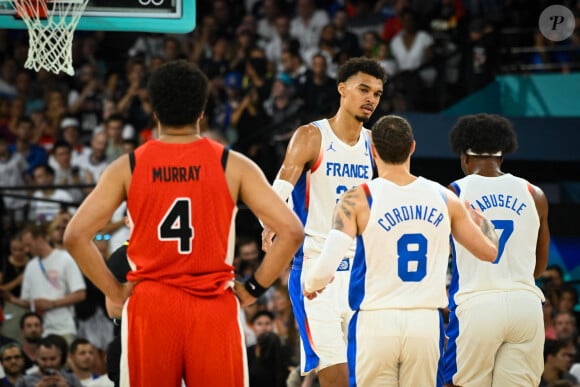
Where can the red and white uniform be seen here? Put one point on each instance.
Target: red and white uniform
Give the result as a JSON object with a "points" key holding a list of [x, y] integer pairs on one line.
{"points": [[182, 319]]}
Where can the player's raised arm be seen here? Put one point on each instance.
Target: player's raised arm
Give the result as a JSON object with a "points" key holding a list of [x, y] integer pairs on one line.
{"points": [[301, 153]]}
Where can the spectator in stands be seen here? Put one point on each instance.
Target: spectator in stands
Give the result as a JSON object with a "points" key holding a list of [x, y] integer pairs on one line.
{"points": [[134, 102], [293, 65], [251, 122], [283, 107], [412, 47], [548, 312], [114, 125], [12, 361], [70, 132], [347, 41], [82, 360], [567, 298], [31, 332], [565, 326], [50, 367], [56, 229], [13, 167], [10, 281], [266, 27], [34, 154], [96, 160], [86, 98], [42, 211], [52, 283], [318, 92], [267, 362], [218, 64], [307, 24], [280, 41], [55, 111], [558, 355], [553, 277], [327, 46], [248, 255], [66, 173]]}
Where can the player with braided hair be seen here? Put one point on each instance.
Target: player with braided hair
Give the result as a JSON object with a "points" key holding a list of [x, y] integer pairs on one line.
{"points": [[496, 331]]}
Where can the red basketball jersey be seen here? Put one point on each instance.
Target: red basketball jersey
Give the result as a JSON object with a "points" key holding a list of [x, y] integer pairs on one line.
{"points": [[183, 217]]}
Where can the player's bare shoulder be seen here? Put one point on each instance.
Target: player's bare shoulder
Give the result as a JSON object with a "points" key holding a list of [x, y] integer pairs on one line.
{"points": [[305, 143]]}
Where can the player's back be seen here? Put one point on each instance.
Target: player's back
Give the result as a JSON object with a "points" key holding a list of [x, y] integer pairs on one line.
{"points": [[402, 254], [508, 202], [183, 216], [339, 167]]}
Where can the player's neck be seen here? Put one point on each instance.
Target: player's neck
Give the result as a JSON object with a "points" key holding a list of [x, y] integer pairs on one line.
{"points": [[346, 128], [399, 174], [181, 134]]}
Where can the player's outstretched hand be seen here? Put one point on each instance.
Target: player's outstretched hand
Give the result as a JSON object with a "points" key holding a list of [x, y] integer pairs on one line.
{"points": [[242, 294], [267, 238]]}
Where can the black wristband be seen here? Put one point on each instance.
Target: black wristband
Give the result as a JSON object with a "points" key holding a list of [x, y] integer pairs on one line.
{"points": [[253, 287]]}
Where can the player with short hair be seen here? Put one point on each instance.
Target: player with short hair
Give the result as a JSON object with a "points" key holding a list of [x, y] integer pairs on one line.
{"points": [[496, 329], [181, 193], [323, 160], [402, 224]]}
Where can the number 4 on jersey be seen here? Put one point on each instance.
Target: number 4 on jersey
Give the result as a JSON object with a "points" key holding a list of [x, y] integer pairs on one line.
{"points": [[176, 225]]}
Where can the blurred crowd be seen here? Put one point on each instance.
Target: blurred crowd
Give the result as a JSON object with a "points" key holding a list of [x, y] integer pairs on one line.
{"points": [[271, 65]]}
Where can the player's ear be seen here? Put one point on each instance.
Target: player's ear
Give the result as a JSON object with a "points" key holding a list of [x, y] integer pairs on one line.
{"points": [[412, 150], [374, 151], [341, 87]]}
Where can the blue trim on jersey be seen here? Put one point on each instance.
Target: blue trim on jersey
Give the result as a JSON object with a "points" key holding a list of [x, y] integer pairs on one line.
{"points": [[454, 283], [450, 355], [356, 291], [299, 199], [299, 208], [456, 187], [351, 349], [297, 299], [368, 148], [441, 363], [317, 124]]}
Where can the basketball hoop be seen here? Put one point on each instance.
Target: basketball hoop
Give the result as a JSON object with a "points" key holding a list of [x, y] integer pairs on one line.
{"points": [[51, 25]]}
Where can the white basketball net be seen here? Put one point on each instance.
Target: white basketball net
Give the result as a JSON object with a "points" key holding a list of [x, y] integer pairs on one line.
{"points": [[50, 38]]}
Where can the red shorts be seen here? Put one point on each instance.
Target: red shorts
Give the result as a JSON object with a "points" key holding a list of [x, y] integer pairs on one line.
{"points": [[170, 335]]}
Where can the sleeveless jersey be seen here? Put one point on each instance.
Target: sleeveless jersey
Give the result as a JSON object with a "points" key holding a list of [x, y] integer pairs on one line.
{"points": [[506, 201], [339, 167], [402, 255], [183, 217]]}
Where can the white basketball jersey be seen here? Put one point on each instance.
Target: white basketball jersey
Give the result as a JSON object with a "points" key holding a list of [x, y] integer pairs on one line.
{"points": [[339, 167], [402, 255], [506, 201]]}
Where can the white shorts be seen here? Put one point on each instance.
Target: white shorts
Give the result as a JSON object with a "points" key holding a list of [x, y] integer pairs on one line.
{"points": [[496, 339], [395, 347], [323, 321]]}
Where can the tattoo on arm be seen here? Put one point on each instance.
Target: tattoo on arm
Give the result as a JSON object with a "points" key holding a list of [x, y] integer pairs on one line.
{"points": [[488, 230], [344, 210]]}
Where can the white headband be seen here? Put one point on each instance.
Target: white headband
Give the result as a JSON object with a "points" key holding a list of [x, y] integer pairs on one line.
{"points": [[469, 152]]}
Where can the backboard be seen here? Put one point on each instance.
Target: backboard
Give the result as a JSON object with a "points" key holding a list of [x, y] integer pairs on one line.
{"points": [[166, 16]]}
